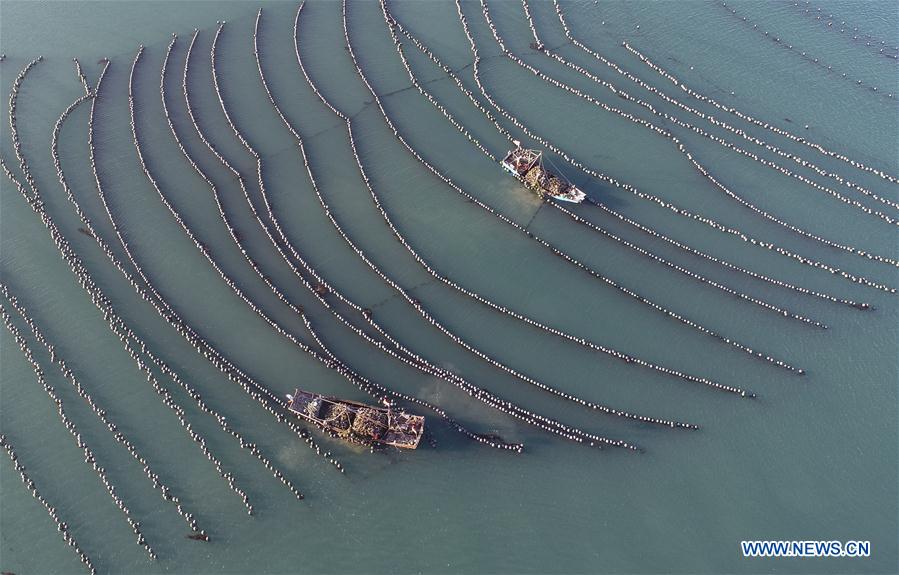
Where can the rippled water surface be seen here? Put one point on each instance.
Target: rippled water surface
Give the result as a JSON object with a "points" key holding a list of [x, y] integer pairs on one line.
{"points": [[811, 457]]}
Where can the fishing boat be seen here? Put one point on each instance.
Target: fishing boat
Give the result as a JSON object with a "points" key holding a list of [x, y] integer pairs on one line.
{"points": [[527, 166], [357, 422]]}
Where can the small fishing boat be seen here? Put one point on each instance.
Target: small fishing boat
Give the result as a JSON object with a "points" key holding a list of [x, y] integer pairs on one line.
{"points": [[358, 422], [527, 166]]}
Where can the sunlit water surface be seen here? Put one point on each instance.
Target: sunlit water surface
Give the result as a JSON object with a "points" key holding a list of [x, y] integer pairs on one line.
{"points": [[811, 458]]}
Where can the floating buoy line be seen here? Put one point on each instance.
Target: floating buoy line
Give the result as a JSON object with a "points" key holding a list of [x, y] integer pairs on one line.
{"points": [[328, 358], [220, 419], [120, 328], [61, 526], [417, 305], [737, 113], [491, 400], [70, 426], [674, 139], [770, 127], [362, 383], [722, 124], [568, 258], [323, 287], [81, 77], [133, 345], [17, 147], [399, 351], [360, 319], [392, 21], [113, 428], [671, 206], [881, 46], [578, 340], [803, 54]]}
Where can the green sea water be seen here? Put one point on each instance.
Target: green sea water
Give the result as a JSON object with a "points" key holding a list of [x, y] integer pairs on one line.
{"points": [[812, 458]]}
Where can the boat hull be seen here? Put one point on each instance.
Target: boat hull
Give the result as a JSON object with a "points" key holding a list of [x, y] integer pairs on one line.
{"points": [[526, 167], [358, 422], [575, 196]]}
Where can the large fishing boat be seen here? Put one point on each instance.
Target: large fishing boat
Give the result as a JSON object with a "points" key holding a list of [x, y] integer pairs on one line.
{"points": [[358, 422], [527, 166]]}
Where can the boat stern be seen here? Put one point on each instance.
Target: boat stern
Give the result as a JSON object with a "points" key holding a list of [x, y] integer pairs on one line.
{"points": [[573, 194], [405, 430]]}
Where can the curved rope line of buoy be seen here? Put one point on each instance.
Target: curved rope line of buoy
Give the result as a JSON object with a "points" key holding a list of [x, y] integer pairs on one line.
{"points": [[798, 160], [103, 304], [376, 390], [36, 203], [127, 338], [70, 426], [391, 20], [681, 147], [578, 340], [396, 286], [673, 207], [113, 428], [61, 526], [893, 53], [755, 121], [803, 54], [417, 305], [711, 101], [568, 258]]}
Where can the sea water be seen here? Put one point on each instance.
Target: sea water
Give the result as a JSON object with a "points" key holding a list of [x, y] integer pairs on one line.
{"points": [[812, 458]]}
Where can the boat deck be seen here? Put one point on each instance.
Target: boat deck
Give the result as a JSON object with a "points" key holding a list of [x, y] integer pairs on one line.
{"points": [[359, 422]]}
